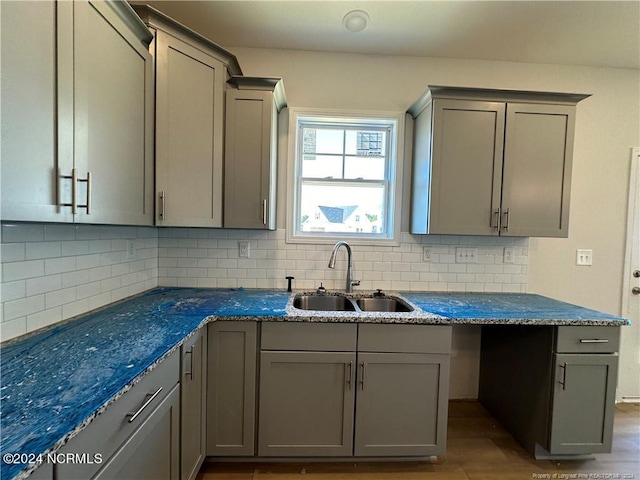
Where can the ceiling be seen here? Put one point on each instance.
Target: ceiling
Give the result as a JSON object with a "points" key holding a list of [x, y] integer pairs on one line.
{"points": [[590, 33]]}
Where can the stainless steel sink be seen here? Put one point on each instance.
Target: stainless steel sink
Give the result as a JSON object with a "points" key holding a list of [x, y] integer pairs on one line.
{"points": [[386, 304], [340, 303], [323, 302]]}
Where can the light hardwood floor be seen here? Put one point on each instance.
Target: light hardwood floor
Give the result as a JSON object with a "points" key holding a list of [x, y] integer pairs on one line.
{"points": [[478, 448]]}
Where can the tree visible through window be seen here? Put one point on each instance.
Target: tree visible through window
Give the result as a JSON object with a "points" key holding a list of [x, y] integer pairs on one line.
{"points": [[344, 177]]}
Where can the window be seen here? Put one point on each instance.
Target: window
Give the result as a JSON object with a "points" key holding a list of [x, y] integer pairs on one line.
{"points": [[345, 173]]}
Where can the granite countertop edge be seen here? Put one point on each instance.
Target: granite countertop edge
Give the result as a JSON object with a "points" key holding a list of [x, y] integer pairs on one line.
{"points": [[292, 314]]}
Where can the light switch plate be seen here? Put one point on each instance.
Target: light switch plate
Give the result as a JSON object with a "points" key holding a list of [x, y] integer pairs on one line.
{"points": [[466, 255]]}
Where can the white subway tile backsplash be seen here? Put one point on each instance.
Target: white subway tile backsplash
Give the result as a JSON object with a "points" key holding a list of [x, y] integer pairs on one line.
{"points": [[53, 272]]}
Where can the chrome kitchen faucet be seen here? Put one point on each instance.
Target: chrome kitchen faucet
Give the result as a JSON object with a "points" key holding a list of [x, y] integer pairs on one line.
{"points": [[332, 264]]}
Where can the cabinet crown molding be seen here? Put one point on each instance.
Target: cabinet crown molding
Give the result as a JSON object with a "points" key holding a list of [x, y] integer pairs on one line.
{"points": [[493, 95], [156, 19], [274, 84]]}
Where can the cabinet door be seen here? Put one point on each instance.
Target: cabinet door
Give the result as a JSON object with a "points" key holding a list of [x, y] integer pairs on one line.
{"points": [[28, 102], [401, 407], [583, 402], [250, 160], [189, 126], [306, 404], [537, 170], [111, 98], [231, 388], [467, 167], [193, 387], [152, 451]]}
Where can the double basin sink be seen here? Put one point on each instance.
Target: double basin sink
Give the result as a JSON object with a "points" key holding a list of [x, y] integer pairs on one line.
{"points": [[340, 303]]}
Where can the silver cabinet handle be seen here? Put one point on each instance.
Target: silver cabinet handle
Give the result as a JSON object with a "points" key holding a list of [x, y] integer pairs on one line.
{"points": [[635, 290], [636, 273], [264, 211], [564, 376], [190, 353], [593, 340], [349, 370], [507, 214], [161, 205], [74, 191], [496, 213], [364, 366], [150, 398], [87, 203]]}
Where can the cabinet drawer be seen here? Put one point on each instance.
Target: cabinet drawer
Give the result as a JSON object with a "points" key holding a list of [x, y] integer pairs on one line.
{"points": [[328, 337], [590, 339], [396, 338], [111, 428]]}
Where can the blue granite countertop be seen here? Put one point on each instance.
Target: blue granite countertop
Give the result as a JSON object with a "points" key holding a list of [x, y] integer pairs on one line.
{"points": [[513, 308], [56, 381]]}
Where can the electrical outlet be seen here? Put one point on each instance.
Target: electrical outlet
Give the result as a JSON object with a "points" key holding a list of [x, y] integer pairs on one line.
{"points": [[131, 250], [466, 255], [584, 257], [426, 254], [508, 255], [243, 249]]}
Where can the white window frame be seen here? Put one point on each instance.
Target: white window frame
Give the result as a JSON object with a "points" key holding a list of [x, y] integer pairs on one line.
{"points": [[394, 194]]}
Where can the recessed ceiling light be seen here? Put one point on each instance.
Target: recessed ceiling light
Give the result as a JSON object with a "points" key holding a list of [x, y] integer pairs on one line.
{"points": [[356, 21]]}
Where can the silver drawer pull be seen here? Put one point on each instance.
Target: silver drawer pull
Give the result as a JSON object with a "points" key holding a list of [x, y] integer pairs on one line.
{"points": [[133, 416], [593, 340]]}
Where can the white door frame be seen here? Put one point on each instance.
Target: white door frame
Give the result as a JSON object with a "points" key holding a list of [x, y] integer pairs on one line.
{"points": [[629, 371]]}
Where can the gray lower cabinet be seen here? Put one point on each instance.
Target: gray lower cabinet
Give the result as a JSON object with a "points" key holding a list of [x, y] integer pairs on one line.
{"points": [[231, 388], [553, 388], [583, 403], [306, 403], [137, 436], [43, 472], [401, 404], [364, 390], [152, 451], [193, 385]]}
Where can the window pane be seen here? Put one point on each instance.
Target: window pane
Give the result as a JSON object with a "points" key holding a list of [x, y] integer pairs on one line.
{"points": [[329, 140], [342, 208], [368, 168], [322, 166]]}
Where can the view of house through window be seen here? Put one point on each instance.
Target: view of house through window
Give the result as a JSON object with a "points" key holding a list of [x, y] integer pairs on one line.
{"points": [[344, 173]]}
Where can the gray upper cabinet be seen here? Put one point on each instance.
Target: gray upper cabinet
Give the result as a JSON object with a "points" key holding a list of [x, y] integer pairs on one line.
{"points": [[193, 409], [191, 72], [492, 162], [250, 157], [87, 127]]}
